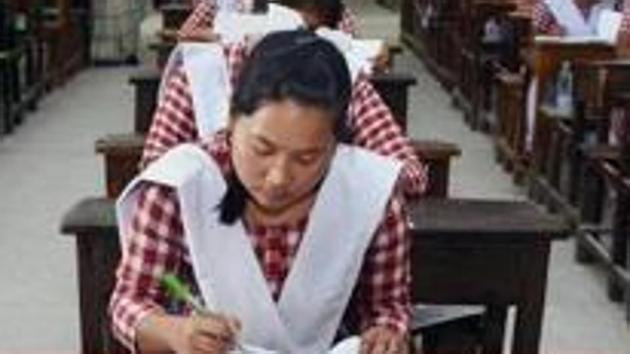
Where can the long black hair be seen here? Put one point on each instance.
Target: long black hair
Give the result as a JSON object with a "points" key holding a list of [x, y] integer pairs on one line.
{"points": [[295, 65]]}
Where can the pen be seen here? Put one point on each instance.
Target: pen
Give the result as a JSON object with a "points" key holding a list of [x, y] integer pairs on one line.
{"points": [[179, 291]]}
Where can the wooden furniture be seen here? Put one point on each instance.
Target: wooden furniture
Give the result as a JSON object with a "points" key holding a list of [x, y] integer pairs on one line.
{"points": [[510, 87], [28, 33], [65, 31], [174, 14], [5, 45], [485, 252], [510, 130], [478, 53], [429, 28], [603, 237], [547, 56], [463, 251], [19, 70], [93, 224]]}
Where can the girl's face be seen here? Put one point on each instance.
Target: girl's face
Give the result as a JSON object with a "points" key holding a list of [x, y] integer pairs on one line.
{"points": [[282, 151]]}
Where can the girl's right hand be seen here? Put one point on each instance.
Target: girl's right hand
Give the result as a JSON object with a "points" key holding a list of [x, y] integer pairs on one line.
{"points": [[206, 334]]}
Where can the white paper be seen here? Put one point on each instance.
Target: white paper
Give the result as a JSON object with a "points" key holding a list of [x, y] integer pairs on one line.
{"points": [[235, 26], [569, 39], [359, 53], [350, 345], [608, 25]]}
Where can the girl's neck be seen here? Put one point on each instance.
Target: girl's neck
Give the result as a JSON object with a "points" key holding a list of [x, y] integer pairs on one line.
{"points": [[292, 215]]}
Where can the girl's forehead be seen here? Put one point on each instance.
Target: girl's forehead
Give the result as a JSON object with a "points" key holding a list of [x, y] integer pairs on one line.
{"points": [[291, 123]]}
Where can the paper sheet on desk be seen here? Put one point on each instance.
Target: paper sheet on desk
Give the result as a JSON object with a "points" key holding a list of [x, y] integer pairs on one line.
{"points": [[234, 26], [349, 345], [569, 40], [608, 25], [359, 53]]}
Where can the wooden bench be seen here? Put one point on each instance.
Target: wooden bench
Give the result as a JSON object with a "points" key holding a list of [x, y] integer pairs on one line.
{"points": [[547, 57], [64, 30], [478, 55], [509, 135], [493, 253], [607, 168], [22, 84], [430, 29]]}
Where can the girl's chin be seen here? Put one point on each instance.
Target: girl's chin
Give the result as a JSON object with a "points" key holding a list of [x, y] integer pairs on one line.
{"points": [[272, 204]]}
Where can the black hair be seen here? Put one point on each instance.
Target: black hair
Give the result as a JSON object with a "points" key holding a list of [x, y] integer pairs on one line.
{"points": [[329, 11], [295, 65]]}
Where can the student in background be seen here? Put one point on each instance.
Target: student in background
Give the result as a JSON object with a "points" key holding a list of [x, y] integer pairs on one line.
{"points": [[198, 26], [568, 17], [373, 125]]}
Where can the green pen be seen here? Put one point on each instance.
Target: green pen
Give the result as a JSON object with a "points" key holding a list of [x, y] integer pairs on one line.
{"points": [[179, 291]]}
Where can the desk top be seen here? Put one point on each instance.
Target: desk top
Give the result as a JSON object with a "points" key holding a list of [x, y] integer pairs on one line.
{"points": [[492, 219]]}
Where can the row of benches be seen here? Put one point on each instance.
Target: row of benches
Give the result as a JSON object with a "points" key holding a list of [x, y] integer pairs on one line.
{"points": [[570, 167], [41, 44]]}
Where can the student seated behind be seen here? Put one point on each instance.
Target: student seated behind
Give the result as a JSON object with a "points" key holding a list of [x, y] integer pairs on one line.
{"points": [[372, 123], [568, 17], [198, 26], [276, 221]]}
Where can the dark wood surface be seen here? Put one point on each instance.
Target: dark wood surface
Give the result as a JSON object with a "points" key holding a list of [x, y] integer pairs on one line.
{"points": [[500, 221], [92, 223], [485, 252], [456, 259]]}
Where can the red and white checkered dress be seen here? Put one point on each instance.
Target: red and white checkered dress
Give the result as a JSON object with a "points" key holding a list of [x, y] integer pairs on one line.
{"points": [[543, 20], [156, 246], [204, 11]]}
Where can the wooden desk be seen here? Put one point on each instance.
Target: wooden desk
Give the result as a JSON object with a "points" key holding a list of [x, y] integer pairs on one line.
{"points": [[493, 253], [122, 153], [430, 29], [607, 167], [463, 251], [546, 58], [174, 14]]}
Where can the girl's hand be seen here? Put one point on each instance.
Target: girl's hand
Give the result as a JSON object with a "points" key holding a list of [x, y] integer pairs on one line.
{"points": [[383, 340], [207, 334]]}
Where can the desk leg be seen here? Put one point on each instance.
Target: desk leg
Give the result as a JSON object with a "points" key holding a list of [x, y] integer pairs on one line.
{"points": [[97, 256], [530, 308], [494, 329]]}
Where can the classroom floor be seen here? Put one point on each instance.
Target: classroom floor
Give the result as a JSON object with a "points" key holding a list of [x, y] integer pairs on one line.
{"points": [[49, 163]]}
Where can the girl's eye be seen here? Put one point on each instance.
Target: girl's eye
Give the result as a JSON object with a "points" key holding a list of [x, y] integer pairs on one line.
{"points": [[262, 150], [307, 159]]}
